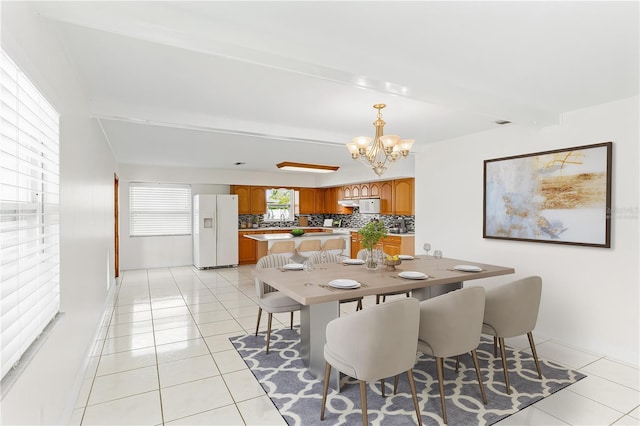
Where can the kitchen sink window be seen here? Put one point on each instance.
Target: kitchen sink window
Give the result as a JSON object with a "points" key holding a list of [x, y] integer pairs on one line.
{"points": [[280, 205]]}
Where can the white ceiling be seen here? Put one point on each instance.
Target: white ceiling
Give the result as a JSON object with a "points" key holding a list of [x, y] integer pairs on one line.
{"points": [[208, 84]]}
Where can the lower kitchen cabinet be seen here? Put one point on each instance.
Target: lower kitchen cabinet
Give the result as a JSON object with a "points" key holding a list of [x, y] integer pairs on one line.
{"points": [[246, 248]]}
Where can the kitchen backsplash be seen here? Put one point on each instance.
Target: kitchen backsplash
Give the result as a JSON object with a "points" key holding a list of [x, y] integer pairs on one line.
{"points": [[355, 220]]}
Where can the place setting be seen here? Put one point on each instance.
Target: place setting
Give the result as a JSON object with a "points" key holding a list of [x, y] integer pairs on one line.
{"points": [[466, 268], [292, 267], [347, 262], [342, 284]]}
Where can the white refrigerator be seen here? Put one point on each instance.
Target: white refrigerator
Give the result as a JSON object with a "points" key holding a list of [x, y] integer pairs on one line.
{"points": [[215, 230]]}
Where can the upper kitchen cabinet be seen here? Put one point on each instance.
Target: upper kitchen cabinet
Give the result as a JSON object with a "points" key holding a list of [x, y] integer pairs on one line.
{"points": [[355, 191], [345, 193], [403, 198], [364, 190], [258, 200], [374, 189], [386, 197], [244, 198], [251, 199], [307, 201], [319, 196]]}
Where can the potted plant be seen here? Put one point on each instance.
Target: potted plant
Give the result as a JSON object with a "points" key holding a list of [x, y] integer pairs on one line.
{"points": [[371, 234]]}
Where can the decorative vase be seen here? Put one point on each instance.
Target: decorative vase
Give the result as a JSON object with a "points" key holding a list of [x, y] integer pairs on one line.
{"points": [[371, 261]]}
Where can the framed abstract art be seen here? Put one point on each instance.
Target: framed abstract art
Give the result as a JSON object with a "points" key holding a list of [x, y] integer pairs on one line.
{"points": [[561, 196]]}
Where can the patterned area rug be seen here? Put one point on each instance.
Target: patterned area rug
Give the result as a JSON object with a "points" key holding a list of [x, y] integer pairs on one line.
{"points": [[297, 394]]}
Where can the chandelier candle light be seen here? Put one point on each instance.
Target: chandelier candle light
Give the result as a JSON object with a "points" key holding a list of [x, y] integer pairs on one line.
{"points": [[383, 150]]}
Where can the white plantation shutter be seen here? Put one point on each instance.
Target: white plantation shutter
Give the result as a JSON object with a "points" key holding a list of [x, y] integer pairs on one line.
{"points": [[159, 209], [29, 219]]}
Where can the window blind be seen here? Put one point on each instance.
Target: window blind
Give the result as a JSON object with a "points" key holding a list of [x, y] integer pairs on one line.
{"points": [[159, 209], [29, 214]]}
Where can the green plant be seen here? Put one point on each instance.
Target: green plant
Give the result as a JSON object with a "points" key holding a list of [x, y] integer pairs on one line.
{"points": [[371, 233]]}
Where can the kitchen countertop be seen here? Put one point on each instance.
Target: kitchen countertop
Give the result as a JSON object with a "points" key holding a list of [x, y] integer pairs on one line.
{"points": [[289, 236], [327, 231]]}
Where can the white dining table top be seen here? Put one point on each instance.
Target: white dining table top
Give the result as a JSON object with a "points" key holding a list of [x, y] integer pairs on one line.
{"points": [[292, 282]]}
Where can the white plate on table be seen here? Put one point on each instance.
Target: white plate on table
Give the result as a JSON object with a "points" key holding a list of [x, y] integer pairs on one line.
{"points": [[467, 268], [293, 266], [353, 261], [412, 275], [344, 283], [405, 257]]}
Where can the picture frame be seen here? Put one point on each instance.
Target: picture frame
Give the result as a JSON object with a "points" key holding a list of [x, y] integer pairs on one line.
{"points": [[561, 196]]}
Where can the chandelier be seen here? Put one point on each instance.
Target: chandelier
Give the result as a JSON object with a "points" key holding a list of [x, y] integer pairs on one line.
{"points": [[384, 150]]}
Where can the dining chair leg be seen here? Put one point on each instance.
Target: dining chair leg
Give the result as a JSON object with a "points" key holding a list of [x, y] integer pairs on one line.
{"points": [[503, 355], [495, 347], [474, 354], [535, 354], [457, 363], [395, 384], [384, 298], [382, 386], [359, 305], [269, 330], [377, 299], [258, 322], [412, 385], [440, 368], [327, 373], [291, 320], [363, 402]]}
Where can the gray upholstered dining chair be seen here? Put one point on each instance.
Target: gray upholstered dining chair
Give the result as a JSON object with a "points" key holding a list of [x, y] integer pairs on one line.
{"points": [[316, 259], [451, 325], [373, 344], [362, 254], [271, 300], [512, 310]]}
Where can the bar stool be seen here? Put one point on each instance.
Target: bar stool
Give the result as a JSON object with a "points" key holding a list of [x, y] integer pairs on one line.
{"points": [[283, 248]]}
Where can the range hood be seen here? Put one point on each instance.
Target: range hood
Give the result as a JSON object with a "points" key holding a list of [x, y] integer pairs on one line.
{"points": [[349, 203]]}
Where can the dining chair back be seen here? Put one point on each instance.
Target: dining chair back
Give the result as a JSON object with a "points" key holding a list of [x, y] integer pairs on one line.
{"points": [[269, 299], [512, 310], [362, 255], [373, 344], [284, 248], [317, 259], [451, 325], [334, 245]]}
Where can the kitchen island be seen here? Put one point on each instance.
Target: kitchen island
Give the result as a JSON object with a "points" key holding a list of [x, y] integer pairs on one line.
{"points": [[265, 241]]}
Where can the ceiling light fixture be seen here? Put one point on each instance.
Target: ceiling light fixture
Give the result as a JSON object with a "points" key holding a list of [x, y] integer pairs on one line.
{"points": [[302, 167], [385, 149]]}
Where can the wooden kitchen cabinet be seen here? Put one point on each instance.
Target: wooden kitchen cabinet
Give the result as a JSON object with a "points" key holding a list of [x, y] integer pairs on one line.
{"points": [[319, 200], [346, 193], [386, 197], [393, 244], [403, 198], [374, 189], [251, 199], [364, 190], [355, 191], [258, 199], [246, 248], [307, 200], [356, 244], [244, 198]]}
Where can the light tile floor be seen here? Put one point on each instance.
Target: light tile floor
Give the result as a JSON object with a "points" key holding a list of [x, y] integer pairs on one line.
{"points": [[163, 356]]}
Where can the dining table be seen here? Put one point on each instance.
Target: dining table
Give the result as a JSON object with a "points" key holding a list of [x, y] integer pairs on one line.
{"points": [[428, 277]]}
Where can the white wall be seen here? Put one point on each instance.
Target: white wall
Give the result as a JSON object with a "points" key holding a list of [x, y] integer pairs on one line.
{"points": [[159, 251], [45, 392], [590, 295]]}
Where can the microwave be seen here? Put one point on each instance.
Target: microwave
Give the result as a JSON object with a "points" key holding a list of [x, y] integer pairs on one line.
{"points": [[370, 205]]}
